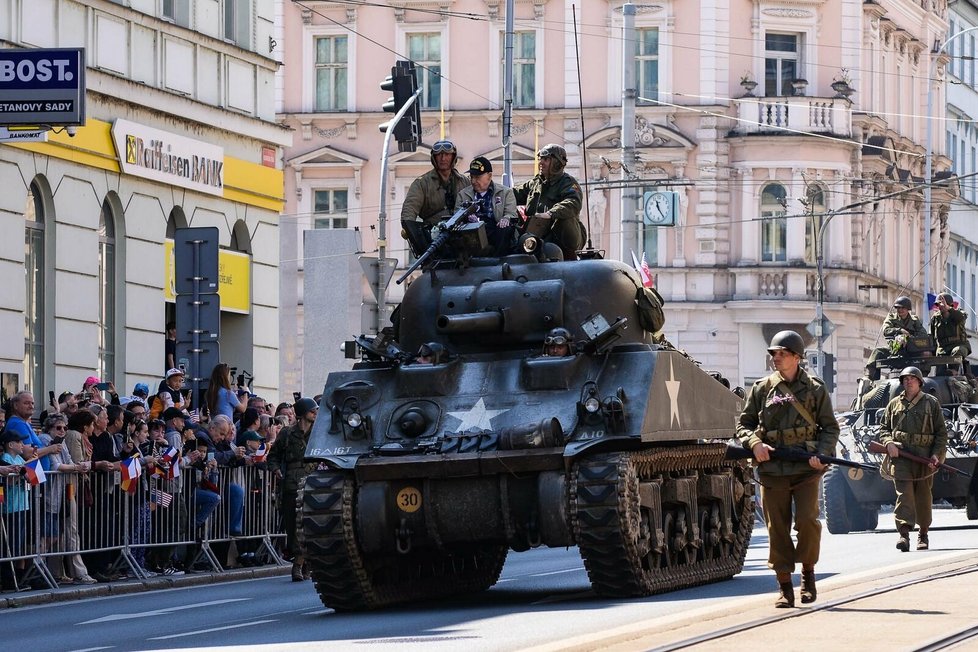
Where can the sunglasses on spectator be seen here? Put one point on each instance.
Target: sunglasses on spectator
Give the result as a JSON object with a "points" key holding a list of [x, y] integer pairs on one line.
{"points": [[443, 146], [557, 339], [59, 427]]}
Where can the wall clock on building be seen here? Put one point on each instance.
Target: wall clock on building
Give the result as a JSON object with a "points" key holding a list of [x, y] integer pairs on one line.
{"points": [[660, 208]]}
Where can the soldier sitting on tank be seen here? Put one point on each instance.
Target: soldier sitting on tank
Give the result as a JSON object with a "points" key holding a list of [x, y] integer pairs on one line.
{"points": [[900, 325], [558, 343], [947, 327]]}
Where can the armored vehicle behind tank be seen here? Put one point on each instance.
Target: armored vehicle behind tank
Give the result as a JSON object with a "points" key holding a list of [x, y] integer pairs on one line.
{"points": [[853, 497], [430, 472]]}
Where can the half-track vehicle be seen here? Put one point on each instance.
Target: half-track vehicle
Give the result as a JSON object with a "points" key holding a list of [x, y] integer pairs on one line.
{"points": [[853, 497], [427, 473]]}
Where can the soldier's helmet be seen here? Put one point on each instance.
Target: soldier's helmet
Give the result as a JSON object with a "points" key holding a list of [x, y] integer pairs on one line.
{"points": [[787, 340], [303, 406], [902, 302], [559, 337], [432, 350], [557, 153], [444, 146], [912, 371]]}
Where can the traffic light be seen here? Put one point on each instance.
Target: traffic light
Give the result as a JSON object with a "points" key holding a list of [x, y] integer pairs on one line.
{"points": [[828, 373], [403, 83]]}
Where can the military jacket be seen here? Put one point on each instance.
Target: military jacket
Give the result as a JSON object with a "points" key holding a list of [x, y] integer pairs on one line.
{"points": [[429, 197], [949, 331], [769, 416], [915, 426], [894, 325], [287, 456], [561, 196]]}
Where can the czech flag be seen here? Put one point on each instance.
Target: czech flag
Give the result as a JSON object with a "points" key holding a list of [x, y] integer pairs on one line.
{"points": [[131, 470], [261, 453], [35, 472], [174, 471], [643, 270]]}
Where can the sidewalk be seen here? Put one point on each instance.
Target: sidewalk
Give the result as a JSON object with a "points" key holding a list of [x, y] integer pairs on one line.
{"points": [[124, 587]]}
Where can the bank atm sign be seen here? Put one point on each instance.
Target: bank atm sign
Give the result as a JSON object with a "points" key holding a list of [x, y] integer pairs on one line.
{"points": [[42, 87]]}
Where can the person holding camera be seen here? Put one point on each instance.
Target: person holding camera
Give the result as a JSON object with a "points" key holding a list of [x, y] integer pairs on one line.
{"points": [[219, 397]]}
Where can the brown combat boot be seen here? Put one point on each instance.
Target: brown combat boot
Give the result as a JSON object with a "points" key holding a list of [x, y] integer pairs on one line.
{"points": [[297, 569], [808, 592], [786, 595], [903, 543], [306, 571], [923, 543]]}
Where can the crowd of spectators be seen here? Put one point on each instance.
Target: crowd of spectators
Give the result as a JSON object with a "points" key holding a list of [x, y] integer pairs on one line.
{"points": [[169, 462]]}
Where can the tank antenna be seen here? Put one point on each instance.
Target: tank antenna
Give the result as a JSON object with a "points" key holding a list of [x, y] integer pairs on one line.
{"points": [[580, 98]]}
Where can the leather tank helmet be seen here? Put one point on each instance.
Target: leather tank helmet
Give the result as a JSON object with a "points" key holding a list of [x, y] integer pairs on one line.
{"points": [[787, 340], [558, 154]]}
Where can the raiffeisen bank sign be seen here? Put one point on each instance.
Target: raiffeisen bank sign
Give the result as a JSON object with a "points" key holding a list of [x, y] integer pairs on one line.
{"points": [[42, 87], [161, 156]]}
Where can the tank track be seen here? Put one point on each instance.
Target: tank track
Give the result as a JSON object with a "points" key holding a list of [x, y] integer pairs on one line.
{"points": [[348, 580], [614, 541]]}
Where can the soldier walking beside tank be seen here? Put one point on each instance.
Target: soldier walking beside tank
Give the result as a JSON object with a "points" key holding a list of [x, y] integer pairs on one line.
{"points": [[898, 326], [431, 197], [947, 327], [790, 409], [913, 422], [286, 458], [556, 196]]}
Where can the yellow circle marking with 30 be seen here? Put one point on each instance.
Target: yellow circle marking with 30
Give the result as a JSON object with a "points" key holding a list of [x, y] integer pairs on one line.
{"points": [[409, 499]]}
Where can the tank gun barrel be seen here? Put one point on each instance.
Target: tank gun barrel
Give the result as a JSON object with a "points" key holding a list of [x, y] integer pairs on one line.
{"points": [[471, 322]]}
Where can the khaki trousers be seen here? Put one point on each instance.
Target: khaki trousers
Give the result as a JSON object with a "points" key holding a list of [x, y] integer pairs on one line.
{"points": [[777, 495], [914, 484]]}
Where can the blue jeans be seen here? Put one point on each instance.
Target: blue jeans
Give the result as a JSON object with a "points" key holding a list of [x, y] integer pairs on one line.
{"points": [[236, 508], [207, 502]]}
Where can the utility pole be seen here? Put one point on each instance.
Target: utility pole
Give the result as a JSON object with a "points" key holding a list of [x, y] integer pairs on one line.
{"points": [[629, 205]]}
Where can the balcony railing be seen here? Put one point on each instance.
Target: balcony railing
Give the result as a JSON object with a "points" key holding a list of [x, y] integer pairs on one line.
{"points": [[800, 115]]}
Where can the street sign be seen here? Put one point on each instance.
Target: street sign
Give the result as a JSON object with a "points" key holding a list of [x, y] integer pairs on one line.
{"points": [[827, 327], [24, 135], [42, 87], [371, 269]]}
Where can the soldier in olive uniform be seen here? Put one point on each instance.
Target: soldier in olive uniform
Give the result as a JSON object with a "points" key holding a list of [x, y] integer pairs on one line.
{"points": [[555, 195], [913, 422], [947, 327], [431, 197], [790, 409], [899, 322], [286, 459]]}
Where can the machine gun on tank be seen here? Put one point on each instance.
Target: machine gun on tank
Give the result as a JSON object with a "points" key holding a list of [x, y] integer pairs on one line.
{"points": [[473, 236]]}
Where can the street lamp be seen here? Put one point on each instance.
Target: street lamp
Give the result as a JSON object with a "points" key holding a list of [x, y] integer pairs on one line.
{"points": [[928, 166]]}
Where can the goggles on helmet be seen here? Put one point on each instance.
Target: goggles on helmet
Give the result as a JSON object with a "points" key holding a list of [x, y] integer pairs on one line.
{"points": [[443, 146], [559, 340], [545, 152]]}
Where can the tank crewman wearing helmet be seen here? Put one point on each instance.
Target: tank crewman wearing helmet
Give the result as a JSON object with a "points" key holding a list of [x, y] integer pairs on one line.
{"points": [[790, 409], [558, 343], [431, 353], [555, 195], [286, 460], [431, 197], [913, 422], [947, 327], [496, 206], [899, 323]]}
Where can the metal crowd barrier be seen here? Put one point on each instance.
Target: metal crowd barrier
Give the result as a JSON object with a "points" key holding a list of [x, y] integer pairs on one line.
{"points": [[82, 524]]}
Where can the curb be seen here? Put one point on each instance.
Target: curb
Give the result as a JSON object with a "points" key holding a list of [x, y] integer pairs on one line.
{"points": [[50, 596]]}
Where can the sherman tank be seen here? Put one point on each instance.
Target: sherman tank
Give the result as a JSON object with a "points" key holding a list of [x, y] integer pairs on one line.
{"points": [[853, 497], [429, 469]]}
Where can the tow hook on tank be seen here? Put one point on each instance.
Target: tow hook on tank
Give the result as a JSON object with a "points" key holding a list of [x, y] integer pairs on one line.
{"points": [[403, 534], [594, 411]]}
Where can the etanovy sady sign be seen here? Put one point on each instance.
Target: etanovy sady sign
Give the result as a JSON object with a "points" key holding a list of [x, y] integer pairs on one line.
{"points": [[42, 86]]}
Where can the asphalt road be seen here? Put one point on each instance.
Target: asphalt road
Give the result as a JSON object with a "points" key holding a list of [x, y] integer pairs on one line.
{"points": [[543, 596]]}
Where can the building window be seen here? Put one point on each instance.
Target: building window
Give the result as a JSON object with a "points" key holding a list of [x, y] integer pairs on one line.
{"points": [[236, 28], [781, 64], [106, 292], [647, 64], [178, 11], [425, 51], [524, 68], [813, 221], [774, 224], [34, 275], [331, 72], [330, 208]]}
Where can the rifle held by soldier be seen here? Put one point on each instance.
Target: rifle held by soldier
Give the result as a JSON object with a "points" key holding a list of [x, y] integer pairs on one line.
{"points": [[795, 455], [880, 448]]}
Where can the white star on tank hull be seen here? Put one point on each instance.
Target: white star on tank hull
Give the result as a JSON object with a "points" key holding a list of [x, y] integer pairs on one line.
{"points": [[477, 416]]}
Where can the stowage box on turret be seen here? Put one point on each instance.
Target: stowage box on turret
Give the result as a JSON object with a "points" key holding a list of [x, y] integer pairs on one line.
{"points": [[432, 467]]}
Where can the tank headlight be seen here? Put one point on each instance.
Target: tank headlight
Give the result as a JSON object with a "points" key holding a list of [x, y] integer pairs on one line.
{"points": [[592, 405], [529, 245], [354, 420]]}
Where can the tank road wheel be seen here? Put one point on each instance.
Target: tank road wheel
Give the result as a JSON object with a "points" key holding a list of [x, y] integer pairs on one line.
{"points": [[348, 580], [615, 532], [836, 502]]}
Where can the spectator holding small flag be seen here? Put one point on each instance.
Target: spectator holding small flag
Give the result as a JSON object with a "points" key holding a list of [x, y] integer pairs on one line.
{"points": [[22, 409], [15, 503]]}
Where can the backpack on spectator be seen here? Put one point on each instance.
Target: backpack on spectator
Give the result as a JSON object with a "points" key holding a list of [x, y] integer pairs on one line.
{"points": [[156, 407]]}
